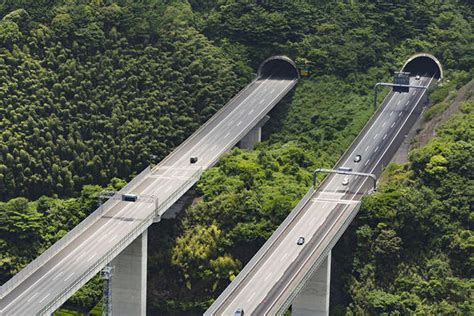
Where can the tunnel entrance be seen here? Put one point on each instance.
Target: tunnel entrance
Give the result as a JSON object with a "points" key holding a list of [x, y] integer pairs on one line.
{"points": [[424, 64], [278, 67]]}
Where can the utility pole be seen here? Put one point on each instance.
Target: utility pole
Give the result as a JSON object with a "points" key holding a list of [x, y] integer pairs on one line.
{"points": [[106, 275]]}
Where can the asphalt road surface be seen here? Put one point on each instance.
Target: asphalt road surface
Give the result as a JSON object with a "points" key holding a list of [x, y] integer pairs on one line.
{"points": [[273, 281], [220, 134]]}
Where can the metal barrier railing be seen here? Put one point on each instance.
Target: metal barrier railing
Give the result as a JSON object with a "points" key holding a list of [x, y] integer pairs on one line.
{"points": [[61, 243], [214, 117], [256, 259], [118, 247]]}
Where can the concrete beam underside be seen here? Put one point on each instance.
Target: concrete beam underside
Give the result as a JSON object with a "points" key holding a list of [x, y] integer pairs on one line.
{"points": [[129, 279], [314, 297]]}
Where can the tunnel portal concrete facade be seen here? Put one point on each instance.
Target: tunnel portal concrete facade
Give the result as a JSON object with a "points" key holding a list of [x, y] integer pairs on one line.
{"points": [[422, 64], [279, 67]]}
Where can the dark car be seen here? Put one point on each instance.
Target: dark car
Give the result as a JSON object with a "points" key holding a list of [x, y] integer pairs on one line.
{"points": [[193, 159], [300, 241], [129, 197]]}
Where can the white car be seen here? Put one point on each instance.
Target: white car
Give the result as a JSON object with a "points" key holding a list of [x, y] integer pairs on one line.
{"points": [[417, 77], [357, 158], [345, 181]]}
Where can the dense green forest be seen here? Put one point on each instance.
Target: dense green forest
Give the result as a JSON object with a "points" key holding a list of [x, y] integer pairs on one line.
{"points": [[411, 247], [91, 89], [96, 90]]}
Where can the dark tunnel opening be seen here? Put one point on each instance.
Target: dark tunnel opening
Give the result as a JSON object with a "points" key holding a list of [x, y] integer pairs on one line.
{"points": [[424, 65], [278, 67]]}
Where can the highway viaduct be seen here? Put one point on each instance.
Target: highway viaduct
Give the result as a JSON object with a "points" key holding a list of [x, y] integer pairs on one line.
{"points": [[116, 233], [284, 273]]}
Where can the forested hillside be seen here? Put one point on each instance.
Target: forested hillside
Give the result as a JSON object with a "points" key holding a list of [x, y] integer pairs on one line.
{"points": [[346, 48], [90, 89], [411, 247], [96, 90]]}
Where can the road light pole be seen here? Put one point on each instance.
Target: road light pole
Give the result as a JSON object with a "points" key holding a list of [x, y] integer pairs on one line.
{"points": [[378, 84]]}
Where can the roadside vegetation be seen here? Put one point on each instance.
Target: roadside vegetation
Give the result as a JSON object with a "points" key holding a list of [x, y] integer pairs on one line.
{"points": [[91, 89]]}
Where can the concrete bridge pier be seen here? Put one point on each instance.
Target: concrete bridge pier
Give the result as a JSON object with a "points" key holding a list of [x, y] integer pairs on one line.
{"points": [[129, 279], [254, 136], [313, 300]]}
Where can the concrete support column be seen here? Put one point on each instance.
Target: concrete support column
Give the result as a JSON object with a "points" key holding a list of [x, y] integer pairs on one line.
{"points": [[254, 136], [313, 300], [129, 279]]}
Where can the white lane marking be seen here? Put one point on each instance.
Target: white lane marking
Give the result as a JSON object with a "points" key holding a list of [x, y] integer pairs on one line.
{"points": [[367, 148], [399, 102], [128, 209], [70, 276], [304, 264], [58, 275], [238, 124], [94, 254], [384, 136], [247, 287], [375, 136], [284, 256], [400, 114], [393, 124], [391, 113], [261, 101], [251, 296], [273, 90], [78, 258], [376, 149], [227, 134], [283, 91], [33, 296], [393, 139], [384, 124], [379, 117], [354, 195], [269, 274], [73, 252], [367, 162], [44, 298], [335, 201], [251, 111], [408, 102], [256, 91]]}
